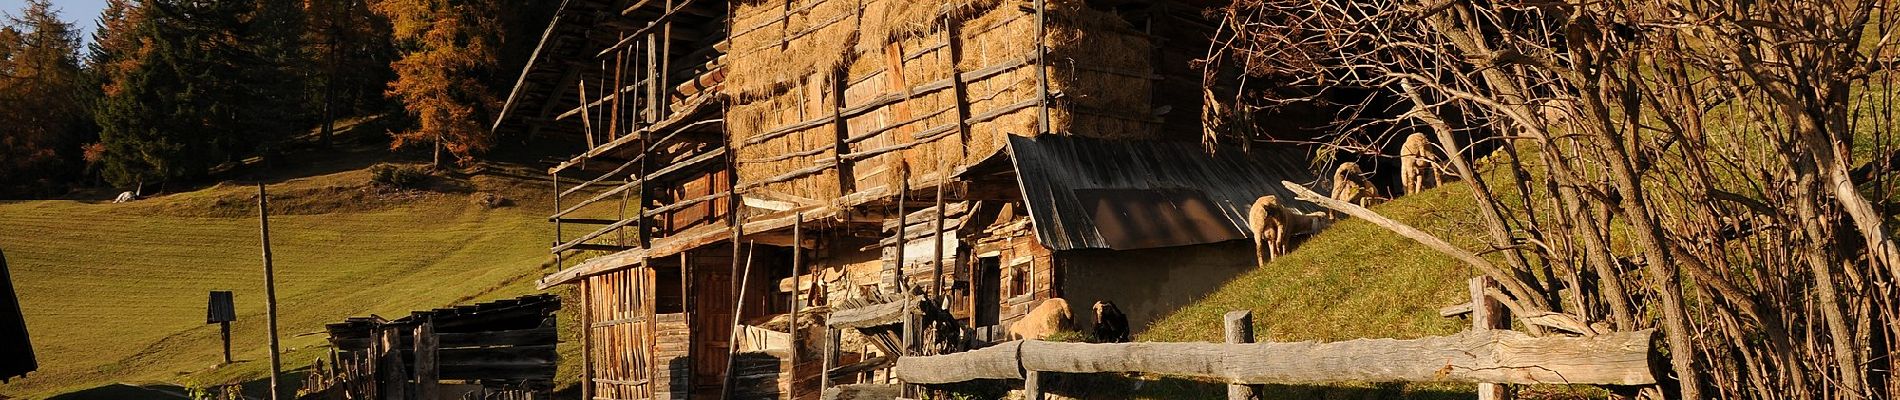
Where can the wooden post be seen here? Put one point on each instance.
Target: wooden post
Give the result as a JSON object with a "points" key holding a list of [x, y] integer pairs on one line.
{"points": [[270, 287], [798, 263], [394, 376], [587, 344], [1239, 324], [1042, 69], [1032, 385], [832, 337], [427, 373], [1488, 314], [369, 366], [936, 261], [903, 192], [225, 328]]}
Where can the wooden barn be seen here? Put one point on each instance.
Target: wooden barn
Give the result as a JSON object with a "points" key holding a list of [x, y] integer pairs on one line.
{"points": [[754, 172]]}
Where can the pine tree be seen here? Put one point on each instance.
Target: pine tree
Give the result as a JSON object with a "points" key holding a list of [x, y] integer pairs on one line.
{"points": [[350, 51], [448, 49], [192, 84], [41, 84]]}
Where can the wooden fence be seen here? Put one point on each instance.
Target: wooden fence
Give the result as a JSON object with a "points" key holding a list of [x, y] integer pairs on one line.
{"points": [[1488, 354]]}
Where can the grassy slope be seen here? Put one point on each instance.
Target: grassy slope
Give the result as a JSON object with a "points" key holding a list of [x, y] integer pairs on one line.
{"points": [[1354, 280], [117, 292]]}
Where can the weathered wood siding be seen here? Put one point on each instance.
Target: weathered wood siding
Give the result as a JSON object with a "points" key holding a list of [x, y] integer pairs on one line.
{"points": [[620, 333]]}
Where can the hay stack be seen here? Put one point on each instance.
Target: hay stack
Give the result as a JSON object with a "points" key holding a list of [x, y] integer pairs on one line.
{"points": [[788, 52]]}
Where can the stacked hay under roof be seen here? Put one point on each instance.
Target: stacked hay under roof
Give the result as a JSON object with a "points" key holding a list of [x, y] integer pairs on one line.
{"points": [[901, 107]]}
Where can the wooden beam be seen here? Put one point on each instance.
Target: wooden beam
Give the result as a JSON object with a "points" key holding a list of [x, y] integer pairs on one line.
{"points": [[1620, 358]]}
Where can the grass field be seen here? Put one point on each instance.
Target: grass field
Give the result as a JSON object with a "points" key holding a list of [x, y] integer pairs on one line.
{"points": [[116, 293]]}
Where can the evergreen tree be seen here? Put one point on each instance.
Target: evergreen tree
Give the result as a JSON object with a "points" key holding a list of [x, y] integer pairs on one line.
{"points": [[195, 83], [350, 51], [43, 90]]}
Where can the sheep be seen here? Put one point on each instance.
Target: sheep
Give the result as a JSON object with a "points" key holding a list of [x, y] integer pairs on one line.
{"points": [[1275, 225], [1350, 185], [1417, 164], [129, 196], [1047, 318], [1111, 326], [1267, 218]]}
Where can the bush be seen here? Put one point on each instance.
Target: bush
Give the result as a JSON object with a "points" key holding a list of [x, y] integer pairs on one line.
{"points": [[399, 175], [489, 200]]}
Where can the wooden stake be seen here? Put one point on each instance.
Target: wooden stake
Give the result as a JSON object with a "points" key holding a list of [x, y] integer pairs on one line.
{"points": [[1239, 328], [1488, 314], [270, 287]]}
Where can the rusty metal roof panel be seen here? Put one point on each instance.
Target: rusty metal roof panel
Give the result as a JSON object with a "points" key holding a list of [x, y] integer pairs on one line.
{"points": [[1085, 193]]}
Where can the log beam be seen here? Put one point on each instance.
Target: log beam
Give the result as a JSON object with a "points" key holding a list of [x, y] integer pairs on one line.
{"points": [[1621, 358]]}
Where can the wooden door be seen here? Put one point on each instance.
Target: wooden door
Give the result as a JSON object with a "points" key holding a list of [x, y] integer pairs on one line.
{"points": [[712, 318], [989, 285]]}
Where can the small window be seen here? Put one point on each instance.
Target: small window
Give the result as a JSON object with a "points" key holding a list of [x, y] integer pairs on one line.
{"points": [[1019, 279]]}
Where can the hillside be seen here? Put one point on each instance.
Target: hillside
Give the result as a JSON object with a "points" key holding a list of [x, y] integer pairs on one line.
{"points": [[116, 292]]}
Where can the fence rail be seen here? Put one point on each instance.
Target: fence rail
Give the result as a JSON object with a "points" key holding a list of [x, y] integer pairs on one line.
{"points": [[1474, 356]]}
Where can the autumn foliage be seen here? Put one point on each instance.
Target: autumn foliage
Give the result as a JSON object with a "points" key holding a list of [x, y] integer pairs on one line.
{"points": [[447, 47]]}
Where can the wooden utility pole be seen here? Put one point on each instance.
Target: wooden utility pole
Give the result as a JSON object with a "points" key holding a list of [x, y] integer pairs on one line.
{"points": [[1239, 324], [270, 287]]}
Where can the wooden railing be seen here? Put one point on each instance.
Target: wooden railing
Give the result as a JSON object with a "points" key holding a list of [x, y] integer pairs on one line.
{"points": [[1489, 354]]}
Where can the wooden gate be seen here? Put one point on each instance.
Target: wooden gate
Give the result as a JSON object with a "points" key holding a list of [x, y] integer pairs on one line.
{"points": [[620, 333]]}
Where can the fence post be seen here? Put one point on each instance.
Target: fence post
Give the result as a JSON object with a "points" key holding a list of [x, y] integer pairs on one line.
{"points": [[1239, 324], [1032, 386], [1487, 314], [427, 372]]}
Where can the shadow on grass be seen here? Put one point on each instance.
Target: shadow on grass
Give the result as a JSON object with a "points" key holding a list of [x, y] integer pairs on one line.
{"points": [[118, 391], [1119, 386]]}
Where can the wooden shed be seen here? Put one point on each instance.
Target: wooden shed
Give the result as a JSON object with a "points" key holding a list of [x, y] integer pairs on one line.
{"points": [[751, 169]]}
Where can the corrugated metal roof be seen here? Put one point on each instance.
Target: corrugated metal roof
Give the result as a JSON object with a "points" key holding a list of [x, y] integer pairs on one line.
{"points": [[1086, 193], [16, 351]]}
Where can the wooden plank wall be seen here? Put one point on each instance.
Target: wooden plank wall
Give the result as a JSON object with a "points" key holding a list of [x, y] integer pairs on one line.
{"points": [[620, 337], [1013, 242]]}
